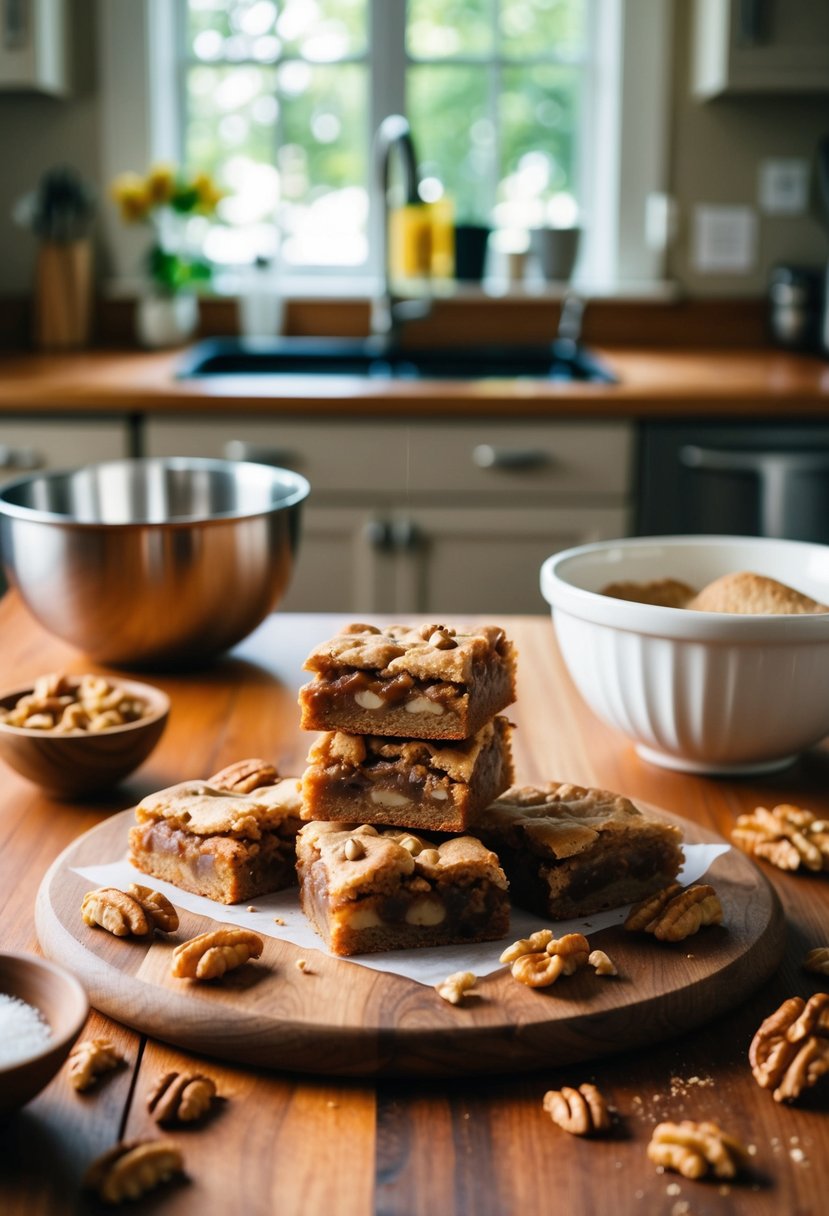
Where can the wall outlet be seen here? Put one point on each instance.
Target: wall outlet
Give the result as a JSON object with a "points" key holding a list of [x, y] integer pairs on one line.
{"points": [[783, 186], [724, 240]]}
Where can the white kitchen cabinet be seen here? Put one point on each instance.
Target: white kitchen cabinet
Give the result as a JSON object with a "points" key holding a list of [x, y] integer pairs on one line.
{"points": [[760, 46], [487, 559], [417, 515], [30, 444]]}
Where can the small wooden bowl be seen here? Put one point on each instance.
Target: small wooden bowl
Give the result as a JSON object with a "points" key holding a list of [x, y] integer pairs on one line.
{"points": [[62, 1002], [84, 763]]}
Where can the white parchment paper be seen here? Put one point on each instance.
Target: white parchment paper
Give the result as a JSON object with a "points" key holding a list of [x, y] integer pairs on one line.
{"points": [[427, 966]]}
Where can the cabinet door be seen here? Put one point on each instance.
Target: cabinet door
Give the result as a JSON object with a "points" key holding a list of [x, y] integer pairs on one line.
{"points": [[488, 560], [343, 563], [29, 445], [760, 46]]}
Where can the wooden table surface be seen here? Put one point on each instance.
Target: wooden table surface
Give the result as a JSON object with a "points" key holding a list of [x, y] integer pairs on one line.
{"points": [[286, 1144]]}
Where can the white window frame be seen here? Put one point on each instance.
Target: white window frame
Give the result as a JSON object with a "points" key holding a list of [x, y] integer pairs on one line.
{"points": [[623, 150]]}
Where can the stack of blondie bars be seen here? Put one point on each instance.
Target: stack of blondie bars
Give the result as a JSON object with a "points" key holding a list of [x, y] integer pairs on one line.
{"points": [[412, 741]]}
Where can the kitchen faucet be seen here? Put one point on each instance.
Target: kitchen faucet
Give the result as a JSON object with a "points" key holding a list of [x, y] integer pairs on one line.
{"points": [[387, 311]]}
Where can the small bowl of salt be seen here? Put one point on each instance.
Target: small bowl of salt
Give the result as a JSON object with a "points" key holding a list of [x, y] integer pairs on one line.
{"points": [[42, 1012]]}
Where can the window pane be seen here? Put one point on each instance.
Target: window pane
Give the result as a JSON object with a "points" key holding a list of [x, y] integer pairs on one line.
{"points": [[439, 29], [231, 112], [539, 117], [534, 28], [264, 30], [323, 163], [453, 135], [323, 30]]}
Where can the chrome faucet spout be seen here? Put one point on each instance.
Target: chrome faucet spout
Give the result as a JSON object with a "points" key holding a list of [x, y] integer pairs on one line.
{"points": [[394, 136]]}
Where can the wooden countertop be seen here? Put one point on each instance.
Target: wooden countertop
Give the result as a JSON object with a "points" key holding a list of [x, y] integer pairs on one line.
{"points": [[652, 383], [293, 1145]]}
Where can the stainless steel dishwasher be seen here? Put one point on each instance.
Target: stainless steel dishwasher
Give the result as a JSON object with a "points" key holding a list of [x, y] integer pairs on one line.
{"points": [[741, 478]]}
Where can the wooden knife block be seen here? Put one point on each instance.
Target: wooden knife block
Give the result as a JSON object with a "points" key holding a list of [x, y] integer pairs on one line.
{"points": [[63, 295]]}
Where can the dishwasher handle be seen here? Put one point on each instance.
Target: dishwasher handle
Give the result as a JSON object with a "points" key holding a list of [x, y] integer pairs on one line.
{"points": [[779, 476]]}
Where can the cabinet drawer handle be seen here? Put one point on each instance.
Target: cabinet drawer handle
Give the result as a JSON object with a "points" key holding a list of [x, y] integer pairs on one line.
{"points": [[514, 459], [260, 453], [20, 458]]}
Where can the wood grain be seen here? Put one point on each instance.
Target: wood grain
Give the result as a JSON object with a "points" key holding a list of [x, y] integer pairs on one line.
{"points": [[275, 1016], [479, 1146]]}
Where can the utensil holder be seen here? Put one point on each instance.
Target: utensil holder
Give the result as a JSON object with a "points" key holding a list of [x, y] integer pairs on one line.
{"points": [[63, 295]]}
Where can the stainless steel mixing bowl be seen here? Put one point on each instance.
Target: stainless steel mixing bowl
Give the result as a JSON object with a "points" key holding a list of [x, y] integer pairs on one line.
{"points": [[152, 562]]}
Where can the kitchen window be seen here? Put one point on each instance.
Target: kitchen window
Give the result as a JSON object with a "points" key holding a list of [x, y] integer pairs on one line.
{"points": [[279, 99], [524, 112]]}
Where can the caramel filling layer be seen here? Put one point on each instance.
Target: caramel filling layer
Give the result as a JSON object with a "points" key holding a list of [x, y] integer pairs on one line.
{"points": [[462, 911]]}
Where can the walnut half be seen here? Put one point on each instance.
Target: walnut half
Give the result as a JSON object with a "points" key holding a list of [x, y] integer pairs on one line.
{"points": [[790, 1051], [244, 776], [132, 1168], [210, 955], [582, 1111], [790, 837], [455, 986], [180, 1097], [695, 1149], [136, 912], [89, 1059], [676, 912], [560, 956]]}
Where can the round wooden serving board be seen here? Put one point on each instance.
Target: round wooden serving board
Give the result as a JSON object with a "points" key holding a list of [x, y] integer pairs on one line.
{"points": [[350, 1020]]}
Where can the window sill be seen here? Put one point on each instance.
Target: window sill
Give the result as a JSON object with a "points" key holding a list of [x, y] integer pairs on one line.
{"points": [[230, 285]]}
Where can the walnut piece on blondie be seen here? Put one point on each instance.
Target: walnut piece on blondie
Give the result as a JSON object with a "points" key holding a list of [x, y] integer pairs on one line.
{"points": [[569, 851], [366, 890], [228, 846], [413, 783], [424, 682]]}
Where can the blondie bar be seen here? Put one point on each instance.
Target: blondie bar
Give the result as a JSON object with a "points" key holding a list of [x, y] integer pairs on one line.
{"points": [[229, 838], [428, 682], [570, 851], [412, 783], [366, 890]]}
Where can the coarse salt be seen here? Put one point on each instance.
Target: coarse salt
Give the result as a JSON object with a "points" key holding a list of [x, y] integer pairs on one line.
{"points": [[23, 1030]]}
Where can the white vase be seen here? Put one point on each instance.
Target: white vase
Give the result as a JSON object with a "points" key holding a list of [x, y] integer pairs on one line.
{"points": [[166, 320]]}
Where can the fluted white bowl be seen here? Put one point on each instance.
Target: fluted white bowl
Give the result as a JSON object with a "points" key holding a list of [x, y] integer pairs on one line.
{"points": [[704, 692]]}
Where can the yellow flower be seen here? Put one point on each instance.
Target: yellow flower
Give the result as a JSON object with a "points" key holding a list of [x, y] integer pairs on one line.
{"points": [[161, 183], [208, 192], [130, 193]]}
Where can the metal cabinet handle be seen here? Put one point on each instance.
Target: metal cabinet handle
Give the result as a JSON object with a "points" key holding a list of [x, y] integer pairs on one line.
{"points": [[514, 459], [20, 458], [259, 453], [378, 534], [392, 536], [405, 534]]}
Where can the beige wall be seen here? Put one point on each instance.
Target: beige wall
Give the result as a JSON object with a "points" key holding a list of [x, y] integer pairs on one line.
{"points": [[715, 152], [39, 132]]}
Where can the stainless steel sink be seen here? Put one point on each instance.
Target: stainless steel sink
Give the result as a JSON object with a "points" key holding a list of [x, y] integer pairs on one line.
{"points": [[374, 358]]}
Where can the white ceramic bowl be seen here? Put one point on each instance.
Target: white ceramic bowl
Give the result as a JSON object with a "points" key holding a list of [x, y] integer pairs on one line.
{"points": [[703, 692]]}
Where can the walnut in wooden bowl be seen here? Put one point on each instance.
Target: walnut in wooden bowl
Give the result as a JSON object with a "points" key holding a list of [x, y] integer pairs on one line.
{"points": [[80, 734]]}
